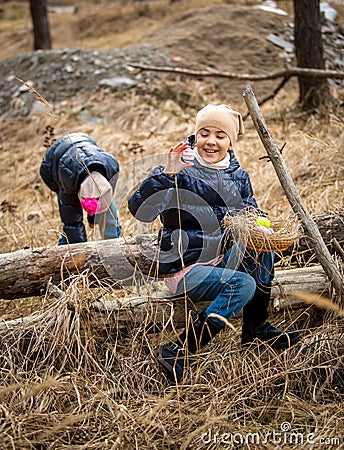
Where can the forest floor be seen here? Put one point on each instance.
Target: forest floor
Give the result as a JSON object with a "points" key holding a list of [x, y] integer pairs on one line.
{"points": [[89, 82]]}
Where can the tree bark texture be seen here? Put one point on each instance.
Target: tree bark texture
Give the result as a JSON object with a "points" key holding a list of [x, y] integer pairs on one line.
{"points": [[156, 307], [160, 305], [27, 272], [313, 92], [40, 21]]}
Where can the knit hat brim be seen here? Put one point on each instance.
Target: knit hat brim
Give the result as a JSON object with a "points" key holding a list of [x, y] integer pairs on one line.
{"points": [[222, 117]]}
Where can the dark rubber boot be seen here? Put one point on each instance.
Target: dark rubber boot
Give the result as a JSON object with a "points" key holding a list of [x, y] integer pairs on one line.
{"points": [[275, 337], [255, 325], [172, 356]]}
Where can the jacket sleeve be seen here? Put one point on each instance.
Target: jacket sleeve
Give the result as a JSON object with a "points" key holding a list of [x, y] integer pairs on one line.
{"points": [[72, 223], [70, 213], [153, 195], [46, 169]]}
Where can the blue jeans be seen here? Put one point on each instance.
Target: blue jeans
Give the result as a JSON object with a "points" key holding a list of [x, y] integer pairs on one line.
{"points": [[112, 227], [228, 290]]}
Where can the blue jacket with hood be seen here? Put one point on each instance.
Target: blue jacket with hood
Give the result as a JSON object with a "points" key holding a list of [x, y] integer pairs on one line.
{"points": [[191, 206], [65, 166]]}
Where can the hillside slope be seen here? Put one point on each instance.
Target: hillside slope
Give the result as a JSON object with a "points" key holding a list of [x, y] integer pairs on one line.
{"points": [[132, 112]]}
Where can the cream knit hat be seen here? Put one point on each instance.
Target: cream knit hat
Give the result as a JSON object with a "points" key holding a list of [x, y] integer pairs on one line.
{"points": [[222, 117], [96, 186]]}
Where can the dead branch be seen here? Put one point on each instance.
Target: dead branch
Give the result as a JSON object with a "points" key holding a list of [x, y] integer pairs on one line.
{"points": [[295, 200], [286, 73]]}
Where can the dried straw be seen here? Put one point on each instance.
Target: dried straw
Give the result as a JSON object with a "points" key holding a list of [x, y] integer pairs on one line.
{"points": [[66, 386], [243, 227], [39, 97]]}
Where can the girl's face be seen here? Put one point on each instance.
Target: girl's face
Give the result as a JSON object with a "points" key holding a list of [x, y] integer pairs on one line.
{"points": [[212, 144]]}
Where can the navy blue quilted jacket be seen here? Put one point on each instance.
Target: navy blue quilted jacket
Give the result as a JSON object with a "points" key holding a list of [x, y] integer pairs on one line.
{"points": [[191, 206], [65, 166]]}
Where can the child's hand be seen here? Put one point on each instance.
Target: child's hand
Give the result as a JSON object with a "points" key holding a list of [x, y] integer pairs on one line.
{"points": [[174, 162]]}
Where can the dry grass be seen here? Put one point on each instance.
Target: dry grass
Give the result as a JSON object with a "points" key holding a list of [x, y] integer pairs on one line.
{"points": [[29, 215], [65, 385], [243, 227], [101, 24], [70, 380]]}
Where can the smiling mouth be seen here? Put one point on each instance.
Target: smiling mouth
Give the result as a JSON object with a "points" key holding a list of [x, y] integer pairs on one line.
{"points": [[211, 151]]}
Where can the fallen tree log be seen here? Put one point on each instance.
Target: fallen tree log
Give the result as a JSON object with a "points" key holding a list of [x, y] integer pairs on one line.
{"points": [[157, 308], [160, 306], [27, 272]]}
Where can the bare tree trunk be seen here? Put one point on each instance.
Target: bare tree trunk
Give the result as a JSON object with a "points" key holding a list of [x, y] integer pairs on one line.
{"points": [[313, 92], [41, 29]]}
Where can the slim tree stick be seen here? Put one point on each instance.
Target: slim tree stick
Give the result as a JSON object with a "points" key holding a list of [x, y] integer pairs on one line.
{"points": [[312, 231], [338, 248]]}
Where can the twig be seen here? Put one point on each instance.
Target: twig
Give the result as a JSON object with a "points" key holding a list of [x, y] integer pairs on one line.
{"points": [[268, 157], [338, 248], [286, 73], [39, 97]]}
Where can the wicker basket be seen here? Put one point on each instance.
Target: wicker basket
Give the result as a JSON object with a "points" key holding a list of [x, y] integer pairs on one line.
{"points": [[243, 226]]}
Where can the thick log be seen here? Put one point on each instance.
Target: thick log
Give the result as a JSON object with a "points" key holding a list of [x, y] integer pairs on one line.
{"points": [[157, 308], [27, 272]]}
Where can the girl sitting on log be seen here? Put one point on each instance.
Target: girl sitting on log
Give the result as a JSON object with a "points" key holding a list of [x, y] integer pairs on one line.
{"points": [[201, 182]]}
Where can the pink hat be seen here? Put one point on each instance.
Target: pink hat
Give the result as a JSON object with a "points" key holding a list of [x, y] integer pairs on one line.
{"points": [[95, 193]]}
